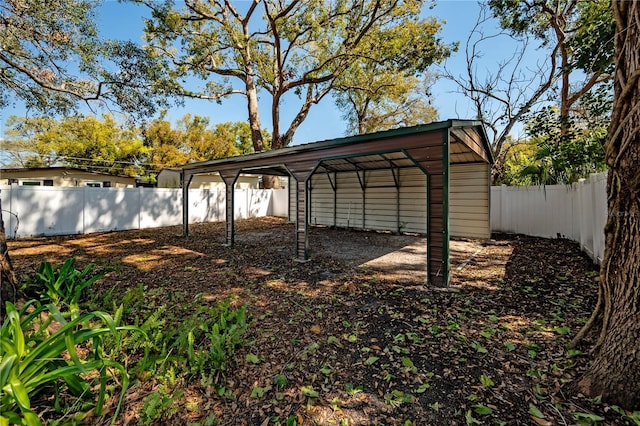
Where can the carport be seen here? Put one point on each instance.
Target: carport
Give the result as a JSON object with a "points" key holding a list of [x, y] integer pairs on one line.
{"points": [[423, 179]]}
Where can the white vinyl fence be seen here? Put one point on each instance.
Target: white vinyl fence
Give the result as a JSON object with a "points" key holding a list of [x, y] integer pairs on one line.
{"points": [[577, 212], [35, 211]]}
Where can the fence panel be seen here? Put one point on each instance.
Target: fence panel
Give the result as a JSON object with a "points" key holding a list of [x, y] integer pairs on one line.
{"points": [[600, 213], [160, 207], [111, 209], [577, 212], [34, 211], [280, 203]]}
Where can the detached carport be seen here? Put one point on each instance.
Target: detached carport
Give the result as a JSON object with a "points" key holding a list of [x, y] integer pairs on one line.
{"points": [[396, 173]]}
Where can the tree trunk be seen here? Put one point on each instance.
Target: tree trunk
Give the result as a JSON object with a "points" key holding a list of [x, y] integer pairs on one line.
{"points": [[8, 282], [270, 182], [254, 116], [615, 372]]}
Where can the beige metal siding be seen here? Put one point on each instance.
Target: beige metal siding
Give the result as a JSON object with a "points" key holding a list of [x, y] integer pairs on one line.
{"points": [[292, 200], [321, 200], [381, 200], [413, 200], [469, 200]]}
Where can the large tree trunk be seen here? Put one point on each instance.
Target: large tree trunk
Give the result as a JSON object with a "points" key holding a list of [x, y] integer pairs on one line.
{"points": [[8, 282], [615, 372]]}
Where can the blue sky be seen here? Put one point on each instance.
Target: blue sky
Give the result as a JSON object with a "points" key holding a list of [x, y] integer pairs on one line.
{"points": [[123, 21]]}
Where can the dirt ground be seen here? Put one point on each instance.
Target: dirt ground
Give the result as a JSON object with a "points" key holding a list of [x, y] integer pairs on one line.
{"points": [[491, 349]]}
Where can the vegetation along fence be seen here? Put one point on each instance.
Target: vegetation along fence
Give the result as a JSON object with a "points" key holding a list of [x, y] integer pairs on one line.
{"points": [[577, 212], [35, 211]]}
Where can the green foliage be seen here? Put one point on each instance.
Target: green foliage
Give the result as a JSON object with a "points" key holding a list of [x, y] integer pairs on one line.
{"points": [[297, 52], [201, 345], [309, 391], [486, 381], [396, 398], [589, 28], [104, 145], [90, 143], [33, 342], [193, 140], [39, 42], [563, 154], [374, 99], [158, 403], [63, 285]]}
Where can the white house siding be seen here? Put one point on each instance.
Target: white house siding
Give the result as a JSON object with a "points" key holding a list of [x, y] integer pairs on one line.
{"points": [[469, 200], [168, 178]]}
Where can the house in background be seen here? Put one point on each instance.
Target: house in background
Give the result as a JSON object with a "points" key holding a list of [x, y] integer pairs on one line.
{"points": [[170, 178], [63, 176]]}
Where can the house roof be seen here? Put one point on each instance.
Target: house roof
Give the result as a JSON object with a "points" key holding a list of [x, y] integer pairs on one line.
{"points": [[59, 169]]}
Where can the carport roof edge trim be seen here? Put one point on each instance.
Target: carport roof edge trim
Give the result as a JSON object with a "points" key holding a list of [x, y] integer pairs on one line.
{"points": [[312, 146]]}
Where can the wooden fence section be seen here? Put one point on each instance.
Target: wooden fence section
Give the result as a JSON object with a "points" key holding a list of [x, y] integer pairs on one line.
{"points": [[577, 212], [42, 211]]}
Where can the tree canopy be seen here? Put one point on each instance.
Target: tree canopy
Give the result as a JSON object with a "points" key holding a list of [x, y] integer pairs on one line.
{"points": [[86, 142], [192, 139], [295, 52], [577, 37], [383, 101], [52, 58], [104, 144]]}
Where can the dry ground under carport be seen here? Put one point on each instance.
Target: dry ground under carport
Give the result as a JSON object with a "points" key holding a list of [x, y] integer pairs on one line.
{"points": [[490, 348]]}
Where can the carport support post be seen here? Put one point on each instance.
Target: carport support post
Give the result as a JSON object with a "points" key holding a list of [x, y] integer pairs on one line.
{"points": [[302, 223], [186, 181], [445, 207], [229, 178]]}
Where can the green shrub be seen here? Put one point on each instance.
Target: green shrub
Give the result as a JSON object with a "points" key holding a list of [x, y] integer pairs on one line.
{"points": [[35, 343], [63, 285]]}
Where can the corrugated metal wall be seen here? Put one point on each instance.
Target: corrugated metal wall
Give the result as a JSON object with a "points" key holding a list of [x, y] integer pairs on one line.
{"points": [[469, 200], [380, 200], [404, 208]]}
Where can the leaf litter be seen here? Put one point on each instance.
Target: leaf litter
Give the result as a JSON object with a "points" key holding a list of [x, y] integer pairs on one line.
{"points": [[348, 339]]}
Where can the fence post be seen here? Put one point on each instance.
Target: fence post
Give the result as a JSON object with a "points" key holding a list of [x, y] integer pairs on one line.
{"points": [[580, 188], [592, 225], [503, 207], [84, 209]]}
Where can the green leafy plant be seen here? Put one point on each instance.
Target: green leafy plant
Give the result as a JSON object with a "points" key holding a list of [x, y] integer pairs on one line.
{"points": [[486, 381], [371, 360], [309, 391], [352, 390], [158, 403], [396, 398], [478, 347], [32, 358], [201, 345], [63, 285]]}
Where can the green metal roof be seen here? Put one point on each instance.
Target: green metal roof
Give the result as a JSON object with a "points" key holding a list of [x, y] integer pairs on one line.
{"points": [[349, 140]]}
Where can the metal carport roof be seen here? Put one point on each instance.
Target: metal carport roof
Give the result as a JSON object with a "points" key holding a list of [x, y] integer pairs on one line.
{"points": [[431, 148]]}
